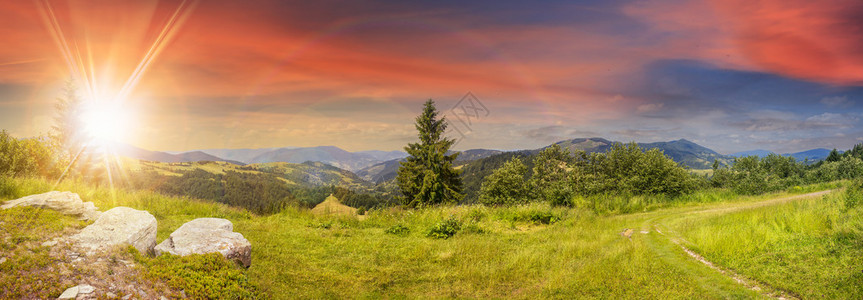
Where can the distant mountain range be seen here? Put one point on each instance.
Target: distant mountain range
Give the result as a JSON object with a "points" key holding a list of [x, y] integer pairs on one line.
{"points": [[308, 174], [386, 171], [482, 161], [334, 156], [812, 155], [142, 154], [759, 153], [380, 166]]}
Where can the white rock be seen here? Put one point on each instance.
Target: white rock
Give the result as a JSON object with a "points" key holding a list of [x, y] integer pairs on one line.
{"points": [[67, 203], [2, 260], [49, 244], [85, 289], [119, 225], [69, 293], [208, 235]]}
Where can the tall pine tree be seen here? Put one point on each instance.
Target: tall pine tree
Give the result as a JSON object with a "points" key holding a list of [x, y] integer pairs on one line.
{"points": [[427, 176]]}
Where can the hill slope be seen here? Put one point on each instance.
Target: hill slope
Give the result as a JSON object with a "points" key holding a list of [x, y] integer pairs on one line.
{"points": [[812, 155], [682, 151], [335, 156], [759, 153], [142, 154], [688, 154], [307, 174]]}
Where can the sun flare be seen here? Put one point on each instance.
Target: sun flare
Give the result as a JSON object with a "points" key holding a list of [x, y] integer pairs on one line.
{"points": [[105, 124]]}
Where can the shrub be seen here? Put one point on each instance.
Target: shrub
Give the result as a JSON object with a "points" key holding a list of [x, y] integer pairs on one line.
{"points": [[473, 228], [398, 229], [532, 214], [476, 215], [200, 276], [854, 194], [542, 217], [444, 229], [321, 225]]}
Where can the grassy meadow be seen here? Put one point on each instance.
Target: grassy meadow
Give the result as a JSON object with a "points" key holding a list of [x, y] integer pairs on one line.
{"points": [[807, 248]]}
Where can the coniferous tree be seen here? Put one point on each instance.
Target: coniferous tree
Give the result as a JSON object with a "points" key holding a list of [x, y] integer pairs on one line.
{"points": [[427, 176], [834, 156], [66, 133], [70, 142]]}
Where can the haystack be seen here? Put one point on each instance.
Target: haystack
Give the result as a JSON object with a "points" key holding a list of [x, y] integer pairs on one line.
{"points": [[332, 206]]}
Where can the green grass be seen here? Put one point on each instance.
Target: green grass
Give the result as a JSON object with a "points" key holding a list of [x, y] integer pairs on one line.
{"points": [[29, 271], [523, 252], [811, 248], [199, 276]]}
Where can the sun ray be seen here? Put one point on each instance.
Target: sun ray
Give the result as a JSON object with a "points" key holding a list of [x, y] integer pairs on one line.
{"points": [[168, 31], [21, 62], [82, 68]]}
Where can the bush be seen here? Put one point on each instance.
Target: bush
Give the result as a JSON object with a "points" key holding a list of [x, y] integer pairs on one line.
{"points": [[445, 229], [476, 215], [398, 229], [473, 228], [536, 214], [542, 217], [854, 194], [200, 276]]}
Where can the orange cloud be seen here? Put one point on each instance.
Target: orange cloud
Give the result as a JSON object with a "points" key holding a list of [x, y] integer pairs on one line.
{"points": [[810, 40]]}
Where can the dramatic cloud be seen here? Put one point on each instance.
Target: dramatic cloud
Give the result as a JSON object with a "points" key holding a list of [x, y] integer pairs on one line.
{"points": [[354, 74]]}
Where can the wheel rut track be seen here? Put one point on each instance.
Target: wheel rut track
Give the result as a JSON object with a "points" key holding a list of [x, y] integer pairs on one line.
{"points": [[751, 284]]}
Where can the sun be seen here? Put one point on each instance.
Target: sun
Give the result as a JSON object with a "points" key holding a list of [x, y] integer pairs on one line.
{"points": [[105, 123]]}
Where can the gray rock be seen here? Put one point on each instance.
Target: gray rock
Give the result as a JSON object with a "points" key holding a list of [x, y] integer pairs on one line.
{"points": [[49, 244], [69, 293], [117, 226], [2, 260], [65, 202], [85, 289], [208, 235]]}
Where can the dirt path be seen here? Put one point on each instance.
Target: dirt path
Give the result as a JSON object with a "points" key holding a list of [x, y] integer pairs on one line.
{"points": [[759, 204], [761, 288]]}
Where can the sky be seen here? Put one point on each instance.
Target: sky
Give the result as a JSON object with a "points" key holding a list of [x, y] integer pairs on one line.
{"points": [[731, 75]]}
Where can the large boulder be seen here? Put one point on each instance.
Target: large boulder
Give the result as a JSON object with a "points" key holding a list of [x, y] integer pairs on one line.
{"points": [[208, 235], [64, 202], [117, 226]]}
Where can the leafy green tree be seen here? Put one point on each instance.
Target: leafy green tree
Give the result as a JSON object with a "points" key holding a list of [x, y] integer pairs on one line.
{"points": [[427, 176], [551, 170], [633, 170], [26, 157], [506, 186]]}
